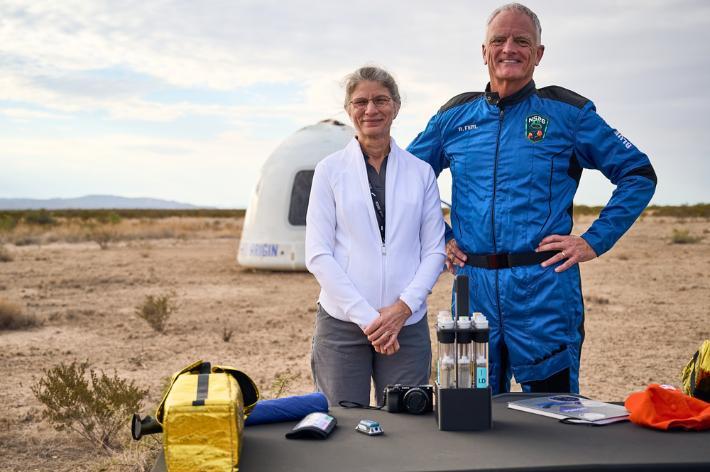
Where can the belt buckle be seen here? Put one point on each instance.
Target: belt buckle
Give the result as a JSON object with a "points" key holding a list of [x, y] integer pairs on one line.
{"points": [[497, 261]]}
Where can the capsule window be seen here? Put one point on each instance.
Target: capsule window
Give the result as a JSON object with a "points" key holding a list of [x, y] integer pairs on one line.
{"points": [[300, 192]]}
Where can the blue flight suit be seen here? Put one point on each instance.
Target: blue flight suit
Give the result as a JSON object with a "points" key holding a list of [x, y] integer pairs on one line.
{"points": [[516, 164]]}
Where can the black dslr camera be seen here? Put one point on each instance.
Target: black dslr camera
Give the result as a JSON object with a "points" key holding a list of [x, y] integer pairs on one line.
{"points": [[409, 399]]}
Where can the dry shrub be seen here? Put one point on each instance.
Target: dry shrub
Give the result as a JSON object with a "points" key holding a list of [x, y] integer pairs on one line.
{"points": [[282, 383], [683, 236], [597, 300], [95, 406], [12, 317], [145, 249], [103, 237], [27, 240], [5, 255], [40, 218], [701, 210], [109, 218], [227, 334], [156, 310], [8, 221]]}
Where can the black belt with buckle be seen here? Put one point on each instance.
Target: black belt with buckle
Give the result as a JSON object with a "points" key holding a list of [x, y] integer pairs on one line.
{"points": [[507, 260]]}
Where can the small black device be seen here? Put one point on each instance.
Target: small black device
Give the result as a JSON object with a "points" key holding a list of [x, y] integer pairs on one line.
{"points": [[409, 399]]}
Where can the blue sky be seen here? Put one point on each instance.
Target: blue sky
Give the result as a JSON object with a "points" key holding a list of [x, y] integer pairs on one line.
{"points": [[185, 100]]}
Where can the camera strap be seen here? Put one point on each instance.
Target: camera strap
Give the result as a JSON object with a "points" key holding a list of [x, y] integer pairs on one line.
{"points": [[349, 404], [379, 206]]}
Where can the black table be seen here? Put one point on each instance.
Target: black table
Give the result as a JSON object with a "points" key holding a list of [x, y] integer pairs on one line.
{"points": [[518, 441]]}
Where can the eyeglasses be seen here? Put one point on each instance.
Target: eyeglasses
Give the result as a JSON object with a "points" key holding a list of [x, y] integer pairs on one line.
{"points": [[379, 102]]}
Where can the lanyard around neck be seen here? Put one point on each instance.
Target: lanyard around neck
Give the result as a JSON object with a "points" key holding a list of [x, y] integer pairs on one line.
{"points": [[379, 212], [379, 207]]}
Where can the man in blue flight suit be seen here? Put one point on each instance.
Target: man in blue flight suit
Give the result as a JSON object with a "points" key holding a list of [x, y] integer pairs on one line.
{"points": [[516, 155]]}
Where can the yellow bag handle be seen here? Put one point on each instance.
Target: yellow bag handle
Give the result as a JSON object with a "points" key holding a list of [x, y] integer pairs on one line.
{"points": [[250, 392]]}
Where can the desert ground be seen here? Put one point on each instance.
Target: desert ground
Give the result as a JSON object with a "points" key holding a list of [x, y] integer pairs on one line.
{"points": [[647, 311]]}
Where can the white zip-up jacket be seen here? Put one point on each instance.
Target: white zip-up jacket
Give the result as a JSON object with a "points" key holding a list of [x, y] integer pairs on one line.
{"points": [[358, 274]]}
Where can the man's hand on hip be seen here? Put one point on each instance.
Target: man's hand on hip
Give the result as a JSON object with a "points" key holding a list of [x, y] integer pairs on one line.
{"points": [[574, 249], [454, 256]]}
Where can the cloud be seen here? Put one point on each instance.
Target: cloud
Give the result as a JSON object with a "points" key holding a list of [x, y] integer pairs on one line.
{"points": [[25, 114], [143, 76]]}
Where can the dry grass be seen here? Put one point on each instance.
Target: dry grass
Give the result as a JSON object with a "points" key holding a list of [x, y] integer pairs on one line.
{"points": [[5, 255], [136, 456], [13, 318], [105, 234]]}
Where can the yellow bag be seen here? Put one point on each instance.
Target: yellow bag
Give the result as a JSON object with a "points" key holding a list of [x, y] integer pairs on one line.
{"points": [[696, 374], [202, 415]]}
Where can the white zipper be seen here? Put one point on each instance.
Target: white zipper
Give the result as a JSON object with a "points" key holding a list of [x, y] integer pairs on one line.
{"points": [[384, 272]]}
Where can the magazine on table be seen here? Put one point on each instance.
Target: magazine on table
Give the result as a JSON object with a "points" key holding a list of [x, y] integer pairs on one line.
{"points": [[572, 409]]}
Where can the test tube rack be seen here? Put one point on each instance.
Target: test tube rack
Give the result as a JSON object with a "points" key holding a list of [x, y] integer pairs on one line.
{"points": [[463, 408]]}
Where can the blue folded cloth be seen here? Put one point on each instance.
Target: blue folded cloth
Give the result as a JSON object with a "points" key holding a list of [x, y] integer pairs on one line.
{"points": [[286, 409]]}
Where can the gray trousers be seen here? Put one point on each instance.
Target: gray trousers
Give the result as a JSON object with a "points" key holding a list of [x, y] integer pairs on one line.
{"points": [[343, 361]]}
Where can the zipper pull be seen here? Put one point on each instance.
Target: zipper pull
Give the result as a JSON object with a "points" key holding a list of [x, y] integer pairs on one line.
{"points": [[384, 249]]}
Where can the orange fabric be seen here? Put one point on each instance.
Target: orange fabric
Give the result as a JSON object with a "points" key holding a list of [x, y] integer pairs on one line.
{"points": [[664, 407]]}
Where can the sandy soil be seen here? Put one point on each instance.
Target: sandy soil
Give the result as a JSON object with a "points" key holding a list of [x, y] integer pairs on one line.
{"points": [[647, 311]]}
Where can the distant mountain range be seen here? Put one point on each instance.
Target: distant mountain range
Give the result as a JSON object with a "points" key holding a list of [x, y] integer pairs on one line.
{"points": [[92, 202]]}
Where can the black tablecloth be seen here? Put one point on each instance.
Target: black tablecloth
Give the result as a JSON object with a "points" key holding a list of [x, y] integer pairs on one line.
{"points": [[517, 441]]}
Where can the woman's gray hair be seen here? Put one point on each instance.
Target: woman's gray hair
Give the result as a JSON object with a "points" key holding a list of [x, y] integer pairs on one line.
{"points": [[371, 74], [522, 9]]}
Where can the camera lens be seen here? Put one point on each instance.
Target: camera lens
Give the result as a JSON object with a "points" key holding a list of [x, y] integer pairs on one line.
{"points": [[415, 401]]}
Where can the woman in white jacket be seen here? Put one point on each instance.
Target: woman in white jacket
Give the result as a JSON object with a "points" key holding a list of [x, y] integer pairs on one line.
{"points": [[375, 243]]}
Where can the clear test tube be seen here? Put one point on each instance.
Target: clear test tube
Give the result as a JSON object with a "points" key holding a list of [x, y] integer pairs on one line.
{"points": [[446, 337], [465, 352], [480, 338]]}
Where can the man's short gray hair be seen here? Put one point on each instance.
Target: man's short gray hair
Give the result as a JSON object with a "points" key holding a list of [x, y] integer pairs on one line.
{"points": [[522, 9], [371, 74]]}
